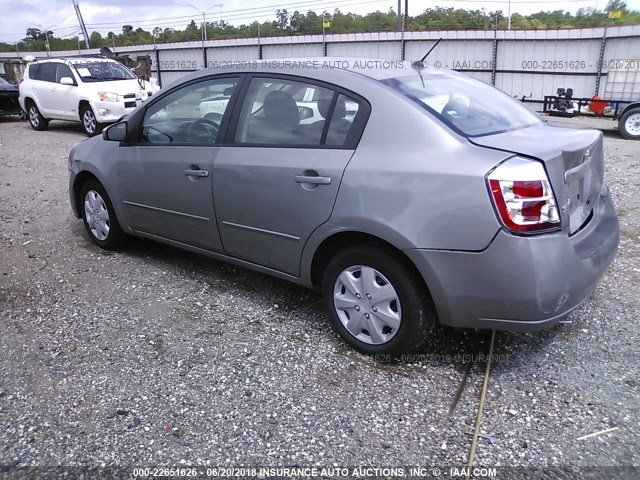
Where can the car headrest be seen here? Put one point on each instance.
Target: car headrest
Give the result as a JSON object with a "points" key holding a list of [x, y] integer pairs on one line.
{"points": [[281, 109], [456, 108], [324, 103]]}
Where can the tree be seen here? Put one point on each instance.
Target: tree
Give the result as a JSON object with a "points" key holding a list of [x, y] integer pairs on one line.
{"points": [[615, 5], [34, 34], [95, 39], [283, 18], [127, 29]]}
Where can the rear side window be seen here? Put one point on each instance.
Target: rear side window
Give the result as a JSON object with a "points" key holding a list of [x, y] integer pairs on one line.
{"points": [[33, 71], [279, 112], [47, 72], [282, 112], [342, 120]]}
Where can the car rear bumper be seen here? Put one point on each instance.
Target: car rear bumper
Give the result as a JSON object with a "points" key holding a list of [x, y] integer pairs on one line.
{"points": [[518, 282]]}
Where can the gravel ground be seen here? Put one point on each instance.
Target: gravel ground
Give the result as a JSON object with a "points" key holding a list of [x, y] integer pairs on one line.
{"points": [[153, 356]]}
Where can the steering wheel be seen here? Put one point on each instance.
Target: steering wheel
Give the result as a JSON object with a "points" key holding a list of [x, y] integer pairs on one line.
{"points": [[203, 130]]}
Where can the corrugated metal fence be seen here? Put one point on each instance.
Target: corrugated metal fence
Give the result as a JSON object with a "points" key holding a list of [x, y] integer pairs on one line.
{"points": [[519, 62]]}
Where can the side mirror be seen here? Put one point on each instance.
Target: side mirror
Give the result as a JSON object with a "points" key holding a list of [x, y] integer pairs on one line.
{"points": [[67, 81], [116, 132]]}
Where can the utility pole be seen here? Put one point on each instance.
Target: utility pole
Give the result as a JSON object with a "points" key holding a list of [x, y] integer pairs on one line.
{"points": [[83, 27], [399, 15], [406, 14], [509, 21]]}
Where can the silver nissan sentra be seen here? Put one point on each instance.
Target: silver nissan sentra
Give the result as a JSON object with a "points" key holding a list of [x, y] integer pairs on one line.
{"points": [[408, 195]]}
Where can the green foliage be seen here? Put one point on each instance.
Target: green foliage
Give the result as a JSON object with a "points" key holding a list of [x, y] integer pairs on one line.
{"points": [[294, 23]]}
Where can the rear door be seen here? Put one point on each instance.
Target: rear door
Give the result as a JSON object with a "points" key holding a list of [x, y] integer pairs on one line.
{"points": [[45, 84], [278, 179]]}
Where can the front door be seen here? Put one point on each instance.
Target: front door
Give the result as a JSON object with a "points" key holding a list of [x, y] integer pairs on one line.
{"points": [[278, 180], [166, 187], [64, 98]]}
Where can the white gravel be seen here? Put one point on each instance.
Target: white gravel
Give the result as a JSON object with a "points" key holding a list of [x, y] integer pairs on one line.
{"points": [[153, 356]]}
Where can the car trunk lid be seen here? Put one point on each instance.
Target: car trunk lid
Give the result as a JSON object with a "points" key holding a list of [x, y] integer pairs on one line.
{"points": [[573, 159]]}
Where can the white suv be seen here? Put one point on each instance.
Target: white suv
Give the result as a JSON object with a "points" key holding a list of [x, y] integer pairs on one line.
{"points": [[92, 91]]}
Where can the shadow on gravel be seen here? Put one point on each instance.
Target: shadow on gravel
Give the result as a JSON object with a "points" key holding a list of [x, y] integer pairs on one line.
{"points": [[445, 345]]}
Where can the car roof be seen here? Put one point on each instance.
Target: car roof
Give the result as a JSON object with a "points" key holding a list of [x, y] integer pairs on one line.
{"points": [[327, 68], [375, 68]]}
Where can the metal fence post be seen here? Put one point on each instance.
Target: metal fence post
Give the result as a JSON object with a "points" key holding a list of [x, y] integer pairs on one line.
{"points": [[603, 44], [402, 53], [158, 67], [494, 53]]}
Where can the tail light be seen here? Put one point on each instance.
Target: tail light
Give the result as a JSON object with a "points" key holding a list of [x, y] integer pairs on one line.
{"points": [[523, 197]]}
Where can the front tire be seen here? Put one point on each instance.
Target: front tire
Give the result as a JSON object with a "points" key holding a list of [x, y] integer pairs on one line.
{"points": [[376, 302], [629, 124], [90, 124], [37, 121], [99, 217]]}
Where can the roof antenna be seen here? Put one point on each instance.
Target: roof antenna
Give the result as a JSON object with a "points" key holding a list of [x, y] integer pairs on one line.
{"points": [[420, 63]]}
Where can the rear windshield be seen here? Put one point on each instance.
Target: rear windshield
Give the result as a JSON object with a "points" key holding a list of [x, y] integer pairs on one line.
{"points": [[470, 106], [103, 71]]}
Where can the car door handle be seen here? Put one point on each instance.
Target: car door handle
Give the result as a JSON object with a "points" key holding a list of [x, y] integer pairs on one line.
{"points": [[313, 179], [196, 173]]}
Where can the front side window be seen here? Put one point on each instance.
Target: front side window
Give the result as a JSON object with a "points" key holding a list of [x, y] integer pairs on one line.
{"points": [[103, 71], [63, 71], [191, 114], [468, 105]]}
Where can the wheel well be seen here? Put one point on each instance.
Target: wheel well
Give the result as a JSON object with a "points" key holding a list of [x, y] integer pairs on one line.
{"points": [[79, 181], [80, 106], [627, 108], [332, 245], [28, 101]]}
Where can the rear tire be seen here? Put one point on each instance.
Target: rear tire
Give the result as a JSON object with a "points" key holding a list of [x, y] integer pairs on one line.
{"points": [[629, 124], [36, 120], [99, 217], [90, 124], [376, 302]]}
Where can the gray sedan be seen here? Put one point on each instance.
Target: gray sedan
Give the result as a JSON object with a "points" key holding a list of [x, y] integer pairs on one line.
{"points": [[408, 195]]}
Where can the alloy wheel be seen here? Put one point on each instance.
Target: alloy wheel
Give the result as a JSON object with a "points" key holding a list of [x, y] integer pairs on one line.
{"points": [[89, 121], [34, 116]]}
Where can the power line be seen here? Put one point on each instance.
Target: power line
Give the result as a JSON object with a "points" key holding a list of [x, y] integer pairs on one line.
{"points": [[302, 4]]}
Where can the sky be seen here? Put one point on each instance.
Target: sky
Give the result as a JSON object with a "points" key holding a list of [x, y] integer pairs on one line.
{"points": [[109, 15]]}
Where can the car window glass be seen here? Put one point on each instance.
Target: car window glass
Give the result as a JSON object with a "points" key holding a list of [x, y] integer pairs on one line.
{"points": [[342, 119], [283, 112], [192, 114], [468, 105], [103, 71], [47, 72], [63, 71], [33, 71]]}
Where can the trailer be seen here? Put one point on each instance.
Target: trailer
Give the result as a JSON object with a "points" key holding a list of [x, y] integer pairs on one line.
{"points": [[621, 99], [627, 113]]}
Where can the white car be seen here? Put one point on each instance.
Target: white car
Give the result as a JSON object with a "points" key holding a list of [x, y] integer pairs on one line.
{"points": [[92, 91]]}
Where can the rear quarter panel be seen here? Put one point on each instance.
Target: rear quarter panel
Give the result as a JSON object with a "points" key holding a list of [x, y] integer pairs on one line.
{"points": [[413, 182]]}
